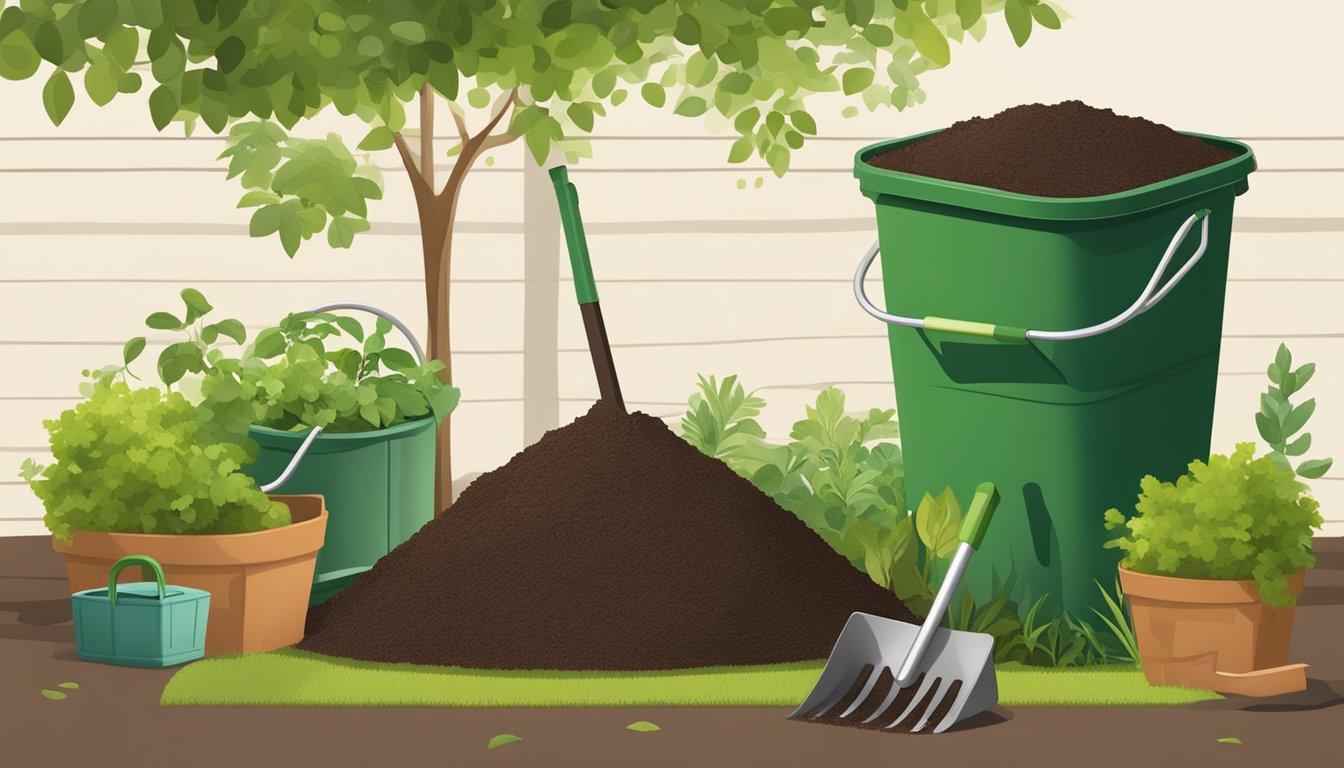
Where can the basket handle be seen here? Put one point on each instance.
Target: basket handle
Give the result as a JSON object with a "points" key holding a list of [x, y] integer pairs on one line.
{"points": [[128, 561], [312, 435], [1148, 299]]}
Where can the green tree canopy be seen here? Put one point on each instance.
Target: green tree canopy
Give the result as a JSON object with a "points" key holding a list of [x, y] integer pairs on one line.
{"points": [[547, 70]]}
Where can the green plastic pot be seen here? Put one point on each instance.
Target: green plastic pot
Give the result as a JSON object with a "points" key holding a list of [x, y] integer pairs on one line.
{"points": [[378, 486], [1043, 345]]}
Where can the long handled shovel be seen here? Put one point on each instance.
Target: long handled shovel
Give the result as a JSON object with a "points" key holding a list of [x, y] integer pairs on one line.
{"points": [[585, 288]]}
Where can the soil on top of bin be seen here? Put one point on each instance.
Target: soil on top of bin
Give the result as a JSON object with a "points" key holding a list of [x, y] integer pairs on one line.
{"points": [[1055, 150], [610, 544]]}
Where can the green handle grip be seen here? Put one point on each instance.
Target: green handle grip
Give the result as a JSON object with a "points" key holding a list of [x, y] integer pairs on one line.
{"points": [[978, 515], [568, 198], [128, 561]]}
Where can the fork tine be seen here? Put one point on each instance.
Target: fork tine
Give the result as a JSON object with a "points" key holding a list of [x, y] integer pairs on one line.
{"points": [[924, 687], [886, 702], [934, 702], [954, 712], [863, 693], [838, 697]]}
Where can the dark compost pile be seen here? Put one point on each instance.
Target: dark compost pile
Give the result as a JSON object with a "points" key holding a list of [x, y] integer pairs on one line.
{"points": [[609, 544], [1057, 150]]}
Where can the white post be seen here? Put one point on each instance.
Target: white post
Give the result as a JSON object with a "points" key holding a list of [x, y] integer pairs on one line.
{"points": [[541, 302]]}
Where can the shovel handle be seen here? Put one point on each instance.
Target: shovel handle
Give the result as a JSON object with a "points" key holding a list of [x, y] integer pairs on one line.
{"points": [[972, 532]]}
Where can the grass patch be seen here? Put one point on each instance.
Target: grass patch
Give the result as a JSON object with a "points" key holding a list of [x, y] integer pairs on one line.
{"points": [[290, 678]]}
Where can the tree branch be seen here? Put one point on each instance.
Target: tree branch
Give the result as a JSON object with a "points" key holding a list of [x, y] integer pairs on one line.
{"points": [[494, 120], [418, 182], [497, 140], [427, 134], [462, 131]]}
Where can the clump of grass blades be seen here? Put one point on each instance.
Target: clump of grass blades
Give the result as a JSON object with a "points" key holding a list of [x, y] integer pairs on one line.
{"points": [[1062, 640]]}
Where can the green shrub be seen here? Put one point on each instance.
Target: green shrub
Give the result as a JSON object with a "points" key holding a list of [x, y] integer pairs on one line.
{"points": [[293, 376], [1234, 517], [840, 476], [145, 461]]}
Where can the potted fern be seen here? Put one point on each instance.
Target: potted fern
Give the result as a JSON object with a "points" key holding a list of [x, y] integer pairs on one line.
{"points": [[1214, 562]]}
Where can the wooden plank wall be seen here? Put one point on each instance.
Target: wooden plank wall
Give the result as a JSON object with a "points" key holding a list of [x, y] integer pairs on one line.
{"points": [[103, 221]]}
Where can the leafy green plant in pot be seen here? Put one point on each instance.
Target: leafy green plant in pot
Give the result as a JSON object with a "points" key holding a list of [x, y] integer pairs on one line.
{"points": [[377, 407], [143, 471], [1213, 565]]}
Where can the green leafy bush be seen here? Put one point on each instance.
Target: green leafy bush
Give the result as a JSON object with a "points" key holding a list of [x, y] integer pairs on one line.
{"points": [[839, 476], [294, 376], [1234, 517], [145, 461]]}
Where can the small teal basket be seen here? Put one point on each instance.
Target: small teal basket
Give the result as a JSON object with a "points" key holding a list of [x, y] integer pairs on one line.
{"points": [[140, 624]]}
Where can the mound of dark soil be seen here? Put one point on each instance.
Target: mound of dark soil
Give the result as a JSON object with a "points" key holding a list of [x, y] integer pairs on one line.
{"points": [[609, 544], [1057, 150]]}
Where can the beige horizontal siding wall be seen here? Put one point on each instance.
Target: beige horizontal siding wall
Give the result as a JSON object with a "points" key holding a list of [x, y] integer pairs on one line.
{"points": [[103, 222]]}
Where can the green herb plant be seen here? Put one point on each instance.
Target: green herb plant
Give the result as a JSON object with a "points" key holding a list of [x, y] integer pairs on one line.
{"points": [[295, 375], [1279, 420], [1233, 517], [147, 461]]}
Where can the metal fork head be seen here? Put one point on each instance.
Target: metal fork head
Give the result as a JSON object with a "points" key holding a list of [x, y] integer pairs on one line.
{"points": [[858, 685]]}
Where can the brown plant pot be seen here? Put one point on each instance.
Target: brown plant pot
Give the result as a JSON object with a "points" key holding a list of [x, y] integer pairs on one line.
{"points": [[258, 582], [1214, 634]]}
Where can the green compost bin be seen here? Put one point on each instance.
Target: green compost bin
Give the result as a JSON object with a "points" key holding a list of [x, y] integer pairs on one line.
{"points": [[1033, 346], [379, 489]]}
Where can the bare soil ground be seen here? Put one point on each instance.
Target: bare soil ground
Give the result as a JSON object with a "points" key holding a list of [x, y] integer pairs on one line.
{"points": [[114, 718]]}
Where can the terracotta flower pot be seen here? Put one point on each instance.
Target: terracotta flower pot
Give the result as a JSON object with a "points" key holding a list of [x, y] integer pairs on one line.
{"points": [[258, 582], [1214, 634]]}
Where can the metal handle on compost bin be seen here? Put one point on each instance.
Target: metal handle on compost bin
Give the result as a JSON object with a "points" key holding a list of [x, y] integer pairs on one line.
{"points": [[128, 561], [1149, 298], [312, 436]]}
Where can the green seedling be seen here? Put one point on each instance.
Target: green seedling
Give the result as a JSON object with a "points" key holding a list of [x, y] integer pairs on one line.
{"points": [[1281, 423]]}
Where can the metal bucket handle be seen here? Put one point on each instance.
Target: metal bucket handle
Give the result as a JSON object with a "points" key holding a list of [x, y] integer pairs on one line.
{"points": [[1149, 298], [312, 435]]}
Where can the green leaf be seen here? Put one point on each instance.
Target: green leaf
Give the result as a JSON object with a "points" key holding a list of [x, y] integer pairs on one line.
{"points": [[502, 739], [1017, 15], [397, 359], [162, 321], [1314, 468], [1225, 739], [96, 18], [929, 39], [49, 43], [558, 14], [132, 349], [269, 343], [121, 47], [101, 82], [53, 695], [410, 31], [804, 122], [969, 12], [642, 726], [937, 521], [1269, 429], [370, 47], [1303, 375], [741, 150], [18, 58], [229, 54], [162, 106], [58, 96], [654, 94], [330, 22], [196, 304], [1045, 16], [1275, 375], [478, 98], [381, 137], [1283, 358], [69, 686], [1299, 446], [1297, 418], [266, 220], [232, 329], [855, 80], [693, 106], [581, 115]]}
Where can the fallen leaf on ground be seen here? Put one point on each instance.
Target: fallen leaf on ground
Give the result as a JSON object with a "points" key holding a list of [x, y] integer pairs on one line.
{"points": [[502, 739], [53, 695], [642, 726], [1229, 740], [71, 686]]}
